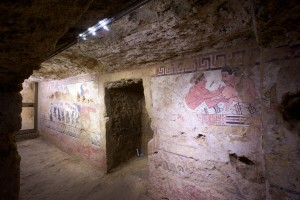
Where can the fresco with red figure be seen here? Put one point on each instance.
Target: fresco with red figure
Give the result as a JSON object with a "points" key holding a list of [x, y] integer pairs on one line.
{"points": [[223, 94]]}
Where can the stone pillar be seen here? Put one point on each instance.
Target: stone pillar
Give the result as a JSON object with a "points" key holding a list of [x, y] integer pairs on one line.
{"points": [[10, 123]]}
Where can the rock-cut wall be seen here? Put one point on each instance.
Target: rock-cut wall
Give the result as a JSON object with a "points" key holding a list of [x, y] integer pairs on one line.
{"points": [[226, 125], [207, 127], [29, 31], [124, 125], [96, 118], [281, 117], [69, 117], [225, 122]]}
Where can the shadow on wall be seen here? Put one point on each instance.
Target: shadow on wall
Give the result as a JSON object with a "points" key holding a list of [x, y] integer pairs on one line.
{"points": [[128, 128], [290, 108]]}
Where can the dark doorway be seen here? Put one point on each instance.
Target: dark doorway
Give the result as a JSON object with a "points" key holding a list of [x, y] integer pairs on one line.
{"points": [[125, 104]]}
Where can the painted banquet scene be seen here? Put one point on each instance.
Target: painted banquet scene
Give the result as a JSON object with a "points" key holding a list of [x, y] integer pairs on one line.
{"points": [[150, 100]]}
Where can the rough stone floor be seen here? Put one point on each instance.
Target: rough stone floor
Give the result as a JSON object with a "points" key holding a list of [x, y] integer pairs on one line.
{"points": [[50, 174]]}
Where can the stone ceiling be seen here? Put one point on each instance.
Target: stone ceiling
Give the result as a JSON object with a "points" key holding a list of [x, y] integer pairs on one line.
{"points": [[168, 29], [31, 30], [158, 31], [96, 11]]}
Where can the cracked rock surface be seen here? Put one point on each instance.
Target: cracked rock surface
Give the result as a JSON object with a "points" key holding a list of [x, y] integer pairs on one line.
{"points": [[170, 29]]}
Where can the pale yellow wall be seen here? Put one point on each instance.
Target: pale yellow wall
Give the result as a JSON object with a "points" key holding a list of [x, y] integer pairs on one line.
{"points": [[27, 112]]}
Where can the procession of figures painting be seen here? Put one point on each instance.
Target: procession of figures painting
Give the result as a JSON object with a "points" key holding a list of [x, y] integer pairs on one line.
{"points": [[72, 109]]}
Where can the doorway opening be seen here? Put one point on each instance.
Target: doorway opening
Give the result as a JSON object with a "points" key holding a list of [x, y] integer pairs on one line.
{"points": [[128, 128], [29, 113]]}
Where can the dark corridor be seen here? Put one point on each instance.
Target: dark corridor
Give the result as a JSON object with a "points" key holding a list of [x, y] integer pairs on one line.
{"points": [[124, 106]]}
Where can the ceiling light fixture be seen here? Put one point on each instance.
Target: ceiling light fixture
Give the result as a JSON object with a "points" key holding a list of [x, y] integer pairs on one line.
{"points": [[106, 28], [103, 24], [83, 36]]}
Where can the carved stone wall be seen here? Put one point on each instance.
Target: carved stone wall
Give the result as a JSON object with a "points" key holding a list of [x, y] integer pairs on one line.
{"points": [[225, 125], [124, 127], [207, 123], [10, 123], [69, 117], [77, 115], [281, 107], [29, 31]]}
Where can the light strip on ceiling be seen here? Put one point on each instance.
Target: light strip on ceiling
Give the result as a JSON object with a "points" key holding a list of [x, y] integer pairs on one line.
{"points": [[103, 24]]}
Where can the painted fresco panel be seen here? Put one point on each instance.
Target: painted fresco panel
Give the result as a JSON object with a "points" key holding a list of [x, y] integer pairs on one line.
{"points": [[221, 98], [71, 109], [207, 122], [69, 117], [206, 118], [205, 103], [73, 105]]}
